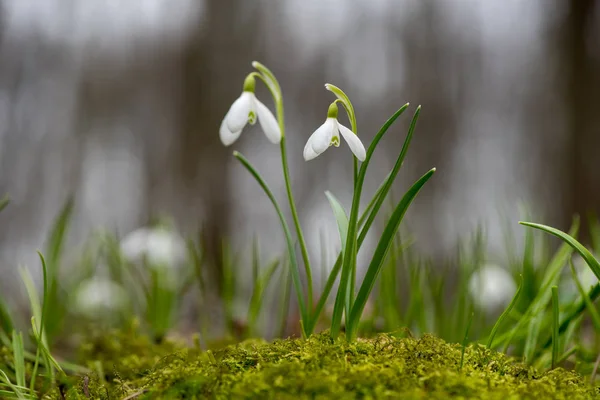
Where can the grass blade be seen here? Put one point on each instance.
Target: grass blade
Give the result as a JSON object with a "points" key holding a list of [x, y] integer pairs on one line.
{"points": [[381, 251], [258, 294], [387, 185], [349, 258], [588, 303], [585, 253], [288, 236], [465, 341], [16, 391], [341, 218], [4, 202], [555, 338], [504, 315], [543, 297], [6, 321], [18, 353], [342, 222]]}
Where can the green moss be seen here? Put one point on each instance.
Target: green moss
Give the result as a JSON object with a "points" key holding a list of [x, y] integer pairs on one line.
{"points": [[318, 368]]}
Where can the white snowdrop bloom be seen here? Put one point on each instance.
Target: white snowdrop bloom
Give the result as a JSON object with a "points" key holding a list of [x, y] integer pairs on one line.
{"points": [[248, 109], [492, 287], [99, 297], [328, 134], [160, 247]]}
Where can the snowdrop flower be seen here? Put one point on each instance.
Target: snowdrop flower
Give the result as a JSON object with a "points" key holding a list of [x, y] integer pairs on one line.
{"points": [[247, 108], [98, 297], [328, 134], [160, 247], [491, 288]]}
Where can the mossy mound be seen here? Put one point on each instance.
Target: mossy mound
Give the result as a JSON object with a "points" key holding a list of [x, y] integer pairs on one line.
{"points": [[319, 368]]}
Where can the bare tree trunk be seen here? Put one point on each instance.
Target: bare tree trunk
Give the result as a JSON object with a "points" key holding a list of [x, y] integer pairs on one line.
{"points": [[582, 172], [214, 69]]}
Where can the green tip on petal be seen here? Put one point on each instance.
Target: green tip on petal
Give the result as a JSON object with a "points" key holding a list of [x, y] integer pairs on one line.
{"points": [[249, 83], [332, 112]]}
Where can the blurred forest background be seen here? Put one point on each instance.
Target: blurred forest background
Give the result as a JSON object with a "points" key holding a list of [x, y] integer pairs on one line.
{"points": [[118, 104]]}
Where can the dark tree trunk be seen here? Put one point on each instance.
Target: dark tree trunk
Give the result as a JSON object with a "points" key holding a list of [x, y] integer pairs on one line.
{"points": [[582, 172]]}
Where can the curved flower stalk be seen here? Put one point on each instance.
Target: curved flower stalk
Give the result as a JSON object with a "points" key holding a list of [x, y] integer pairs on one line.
{"points": [[328, 135], [248, 109]]}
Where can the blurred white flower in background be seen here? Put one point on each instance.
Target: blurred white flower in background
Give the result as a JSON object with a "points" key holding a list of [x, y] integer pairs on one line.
{"points": [[100, 298], [491, 288], [584, 274], [159, 246]]}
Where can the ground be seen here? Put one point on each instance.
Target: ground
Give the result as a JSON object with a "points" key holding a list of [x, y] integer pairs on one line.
{"points": [[383, 367]]}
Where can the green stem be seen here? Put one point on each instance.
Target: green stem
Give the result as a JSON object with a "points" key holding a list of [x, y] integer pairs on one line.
{"points": [[273, 85], [288, 188], [349, 108]]}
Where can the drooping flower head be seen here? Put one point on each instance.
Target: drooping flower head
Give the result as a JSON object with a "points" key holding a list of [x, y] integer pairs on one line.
{"points": [[328, 135], [248, 109]]}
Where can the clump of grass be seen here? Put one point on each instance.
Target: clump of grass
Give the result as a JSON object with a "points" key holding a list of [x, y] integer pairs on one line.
{"points": [[319, 367]]}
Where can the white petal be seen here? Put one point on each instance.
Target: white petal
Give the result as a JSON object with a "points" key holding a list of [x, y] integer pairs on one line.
{"points": [[268, 122], [353, 142], [237, 117], [228, 137], [319, 141]]}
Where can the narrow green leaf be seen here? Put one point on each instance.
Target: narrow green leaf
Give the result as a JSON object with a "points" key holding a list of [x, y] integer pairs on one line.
{"points": [[381, 251], [465, 341], [286, 286], [588, 303], [58, 235], [389, 181], [342, 222], [288, 236], [585, 253], [255, 259], [533, 335], [49, 361], [371, 204], [16, 390], [34, 299], [18, 354], [504, 315], [4, 202], [555, 338], [6, 321], [258, 293], [340, 217], [349, 257], [543, 296]]}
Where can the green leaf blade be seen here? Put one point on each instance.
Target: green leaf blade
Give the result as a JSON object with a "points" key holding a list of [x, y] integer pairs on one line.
{"points": [[382, 248]]}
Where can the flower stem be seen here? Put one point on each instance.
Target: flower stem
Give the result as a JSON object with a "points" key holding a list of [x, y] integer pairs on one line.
{"points": [[273, 85], [288, 187]]}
